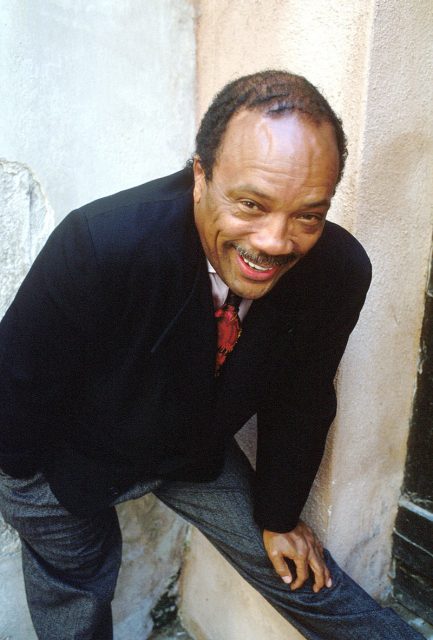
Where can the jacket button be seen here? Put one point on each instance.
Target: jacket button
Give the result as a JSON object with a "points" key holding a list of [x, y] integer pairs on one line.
{"points": [[113, 492]]}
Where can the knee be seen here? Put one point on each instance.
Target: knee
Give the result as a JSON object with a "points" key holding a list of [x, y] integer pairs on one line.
{"points": [[81, 551]]}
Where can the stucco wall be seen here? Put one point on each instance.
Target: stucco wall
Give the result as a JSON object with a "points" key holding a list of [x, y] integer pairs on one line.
{"points": [[372, 60], [96, 97], [394, 216]]}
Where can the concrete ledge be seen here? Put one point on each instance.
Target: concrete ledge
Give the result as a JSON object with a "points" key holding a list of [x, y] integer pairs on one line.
{"points": [[217, 604]]}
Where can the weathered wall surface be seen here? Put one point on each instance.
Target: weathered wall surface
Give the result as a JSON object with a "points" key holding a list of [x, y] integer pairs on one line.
{"points": [[96, 97], [394, 217], [372, 60], [153, 547], [26, 219]]}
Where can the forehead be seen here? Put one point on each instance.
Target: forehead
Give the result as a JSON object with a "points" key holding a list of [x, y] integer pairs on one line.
{"points": [[281, 144]]}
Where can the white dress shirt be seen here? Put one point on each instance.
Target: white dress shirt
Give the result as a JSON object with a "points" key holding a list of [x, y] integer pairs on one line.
{"points": [[220, 291]]}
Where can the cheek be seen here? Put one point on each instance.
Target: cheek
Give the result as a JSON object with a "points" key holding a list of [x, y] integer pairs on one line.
{"points": [[308, 241], [232, 228]]}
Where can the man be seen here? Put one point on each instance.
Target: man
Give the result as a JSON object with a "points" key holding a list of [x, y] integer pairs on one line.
{"points": [[117, 379]]}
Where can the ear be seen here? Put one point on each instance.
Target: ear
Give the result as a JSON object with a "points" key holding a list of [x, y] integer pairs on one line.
{"points": [[199, 180]]}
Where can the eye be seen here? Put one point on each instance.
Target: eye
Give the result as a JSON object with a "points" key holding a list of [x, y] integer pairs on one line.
{"points": [[311, 218], [250, 204]]}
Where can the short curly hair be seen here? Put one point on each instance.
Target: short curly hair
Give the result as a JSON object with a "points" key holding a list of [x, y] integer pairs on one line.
{"points": [[273, 93]]}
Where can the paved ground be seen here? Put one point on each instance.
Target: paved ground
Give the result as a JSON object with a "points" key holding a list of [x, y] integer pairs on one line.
{"points": [[172, 632]]}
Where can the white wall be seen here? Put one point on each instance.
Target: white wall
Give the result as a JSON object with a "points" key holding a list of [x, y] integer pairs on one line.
{"points": [[96, 96]]}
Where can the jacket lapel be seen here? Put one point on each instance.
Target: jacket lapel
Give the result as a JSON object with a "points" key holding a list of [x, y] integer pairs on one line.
{"points": [[189, 331]]}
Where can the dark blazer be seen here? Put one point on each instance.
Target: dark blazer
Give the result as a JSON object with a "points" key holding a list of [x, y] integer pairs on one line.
{"points": [[107, 357]]}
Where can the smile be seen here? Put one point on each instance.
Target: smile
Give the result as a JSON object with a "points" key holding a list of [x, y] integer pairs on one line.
{"points": [[255, 266], [254, 271]]}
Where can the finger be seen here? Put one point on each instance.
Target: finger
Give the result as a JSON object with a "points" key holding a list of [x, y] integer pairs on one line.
{"points": [[301, 572], [280, 566], [319, 570], [328, 577]]}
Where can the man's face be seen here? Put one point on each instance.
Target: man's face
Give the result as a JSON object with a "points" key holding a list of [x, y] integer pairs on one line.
{"points": [[266, 204]]}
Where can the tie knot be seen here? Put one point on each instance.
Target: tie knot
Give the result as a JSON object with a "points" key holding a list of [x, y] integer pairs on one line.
{"points": [[233, 300]]}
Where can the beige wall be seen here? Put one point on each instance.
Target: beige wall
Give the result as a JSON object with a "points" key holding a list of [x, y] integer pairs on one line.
{"points": [[393, 219], [373, 61]]}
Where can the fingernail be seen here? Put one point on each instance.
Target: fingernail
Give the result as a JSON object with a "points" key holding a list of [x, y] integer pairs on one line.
{"points": [[287, 579], [329, 583]]}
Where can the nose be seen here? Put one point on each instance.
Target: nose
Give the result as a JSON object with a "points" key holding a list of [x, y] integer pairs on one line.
{"points": [[274, 237]]}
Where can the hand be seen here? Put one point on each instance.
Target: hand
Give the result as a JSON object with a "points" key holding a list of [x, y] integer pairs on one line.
{"points": [[303, 547]]}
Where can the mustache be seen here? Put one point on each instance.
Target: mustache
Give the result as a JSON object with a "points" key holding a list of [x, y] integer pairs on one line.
{"points": [[263, 259]]}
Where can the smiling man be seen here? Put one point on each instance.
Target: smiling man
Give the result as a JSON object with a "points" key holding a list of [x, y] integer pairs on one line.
{"points": [[151, 327], [266, 204]]}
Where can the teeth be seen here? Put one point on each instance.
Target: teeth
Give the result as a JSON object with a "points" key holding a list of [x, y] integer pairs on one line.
{"points": [[256, 266]]}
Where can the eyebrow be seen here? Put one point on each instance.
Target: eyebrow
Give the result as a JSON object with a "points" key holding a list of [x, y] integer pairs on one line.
{"points": [[315, 205], [252, 191], [263, 196]]}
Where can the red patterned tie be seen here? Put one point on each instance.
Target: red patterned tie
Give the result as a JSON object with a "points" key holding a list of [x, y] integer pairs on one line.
{"points": [[229, 328]]}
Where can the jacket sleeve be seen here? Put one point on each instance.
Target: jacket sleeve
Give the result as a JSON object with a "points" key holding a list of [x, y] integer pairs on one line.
{"points": [[42, 343], [294, 420]]}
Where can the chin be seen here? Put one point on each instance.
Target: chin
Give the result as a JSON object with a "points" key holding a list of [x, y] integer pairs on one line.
{"points": [[252, 292]]}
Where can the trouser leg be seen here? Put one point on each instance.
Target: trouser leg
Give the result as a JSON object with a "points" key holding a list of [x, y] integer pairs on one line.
{"points": [[70, 564], [222, 510]]}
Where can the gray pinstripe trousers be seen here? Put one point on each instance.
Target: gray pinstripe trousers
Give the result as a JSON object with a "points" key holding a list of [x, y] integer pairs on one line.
{"points": [[71, 564]]}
